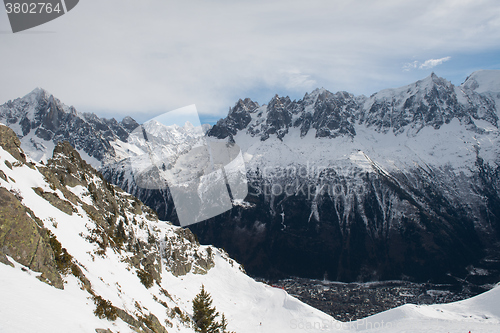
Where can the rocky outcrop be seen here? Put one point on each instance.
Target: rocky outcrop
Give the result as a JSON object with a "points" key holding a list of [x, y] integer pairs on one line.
{"points": [[23, 239], [10, 142], [22, 235], [182, 257], [115, 222]]}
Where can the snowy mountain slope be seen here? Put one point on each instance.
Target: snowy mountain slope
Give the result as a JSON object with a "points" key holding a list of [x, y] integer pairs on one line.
{"points": [[112, 254], [486, 83], [477, 314], [68, 310], [41, 120], [483, 81]]}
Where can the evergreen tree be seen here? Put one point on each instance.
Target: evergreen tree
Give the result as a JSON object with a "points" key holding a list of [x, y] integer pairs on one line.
{"points": [[204, 313]]}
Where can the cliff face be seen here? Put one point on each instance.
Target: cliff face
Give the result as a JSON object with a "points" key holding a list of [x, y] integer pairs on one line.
{"points": [[401, 184]]}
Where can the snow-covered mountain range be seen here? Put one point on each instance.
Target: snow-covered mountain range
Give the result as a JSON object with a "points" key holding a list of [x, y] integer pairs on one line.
{"points": [[401, 184], [80, 255]]}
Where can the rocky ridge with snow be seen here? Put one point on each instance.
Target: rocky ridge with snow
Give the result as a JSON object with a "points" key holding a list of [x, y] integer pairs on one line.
{"points": [[41, 121], [432, 101]]}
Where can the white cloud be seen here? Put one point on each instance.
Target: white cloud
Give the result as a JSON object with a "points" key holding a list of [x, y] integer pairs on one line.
{"points": [[430, 63], [433, 63]]}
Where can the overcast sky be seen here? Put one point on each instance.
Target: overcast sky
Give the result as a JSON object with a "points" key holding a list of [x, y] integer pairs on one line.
{"points": [[143, 58]]}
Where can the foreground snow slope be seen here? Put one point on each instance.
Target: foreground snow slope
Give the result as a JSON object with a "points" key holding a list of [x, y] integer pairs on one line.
{"points": [[477, 314], [245, 302], [249, 306]]}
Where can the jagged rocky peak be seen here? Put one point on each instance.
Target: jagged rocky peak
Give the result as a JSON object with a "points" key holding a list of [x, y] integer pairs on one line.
{"points": [[39, 107], [334, 114], [244, 105], [427, 87], [318, 94], [129, 123], [37, 94], [237, 119], [279, 117], [432, 80], [41, 121], [432, 101], [331, 115]]}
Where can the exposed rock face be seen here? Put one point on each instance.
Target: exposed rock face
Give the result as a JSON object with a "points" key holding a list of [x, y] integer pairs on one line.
{"points": [[22, 236], [10, 142], [179, 256], [24, 240], [237, 119], [387, 231]]}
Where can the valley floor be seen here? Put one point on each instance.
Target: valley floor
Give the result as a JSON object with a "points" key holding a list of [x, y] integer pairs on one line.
{"points": [[353, 301]]}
